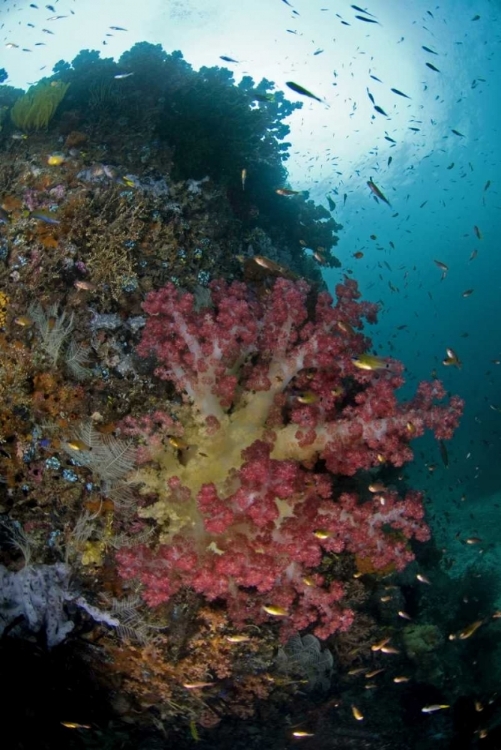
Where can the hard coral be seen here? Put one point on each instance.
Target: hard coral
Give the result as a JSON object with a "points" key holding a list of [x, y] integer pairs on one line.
{"points": [[243, 515]]}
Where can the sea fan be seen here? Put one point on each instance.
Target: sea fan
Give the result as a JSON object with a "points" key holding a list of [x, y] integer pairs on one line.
{"points": [[304, 656], [54, 329], [76, 358], [106, 456]]}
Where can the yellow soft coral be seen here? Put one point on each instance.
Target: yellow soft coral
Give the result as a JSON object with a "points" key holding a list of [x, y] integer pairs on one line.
{"points": [[35, 109]]}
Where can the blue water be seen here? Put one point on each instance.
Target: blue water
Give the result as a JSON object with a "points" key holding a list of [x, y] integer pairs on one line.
{"points": [[441, 185]]}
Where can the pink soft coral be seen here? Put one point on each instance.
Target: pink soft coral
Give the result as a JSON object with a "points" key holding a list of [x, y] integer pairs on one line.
{"points": [[275, 412]]}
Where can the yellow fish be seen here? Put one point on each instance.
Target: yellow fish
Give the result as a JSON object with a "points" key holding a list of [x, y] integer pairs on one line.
{"points": [[370, 362], [308, 398], [276, 611]]}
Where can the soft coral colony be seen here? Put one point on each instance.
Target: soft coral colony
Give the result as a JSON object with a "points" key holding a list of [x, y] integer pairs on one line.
{"points": [[244, 477]]}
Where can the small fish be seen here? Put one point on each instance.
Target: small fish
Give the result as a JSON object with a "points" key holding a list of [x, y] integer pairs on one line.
{"points": [[19, 136], [43, 216], [331, 203], [318, 52], [268, 264], [387, 138], [377, 487], [237, 638], [452, 359], [467, 632], [275, 611], [367, 20], [24, 321], [456, 132], [390, 159], [356, 670], [423, 579], [359, 254], [322, 534], [308, 398], [78, 445], [377, 192], [467, 292], [358, 715], [301, 90], [444, 455], [46, 31], [227, 59], [319, 258], [473, 255], [400, 93], [443, 267], [389, 650], [376, 78], [299, 733], [309, 582], [487, 185], [361, 10], [434, 707], [345, 327], [56, 18], [473, 540], [11, 45], [117, 28], [477, 232], [404, 615], [121, 76], [401, 678], [197, 685], [378, 646], [51, 8], [374, 672], [380, 110], [427, 49], [56, 159], [287, 192], [243, 177], [370, 362], [476, 18], [432, 67], [73, 724], [178, 443], [85, 286]]}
